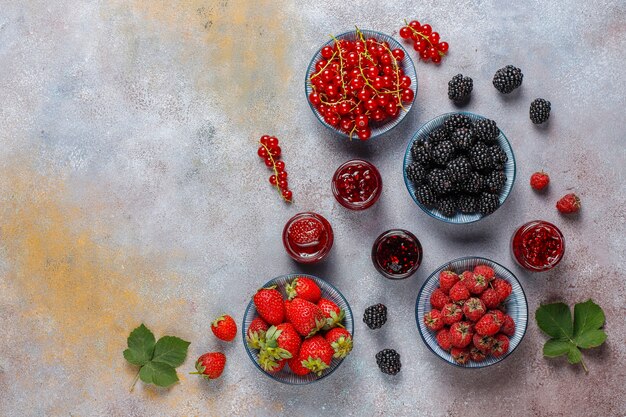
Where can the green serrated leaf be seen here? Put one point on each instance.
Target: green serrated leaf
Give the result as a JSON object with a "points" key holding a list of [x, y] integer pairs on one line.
{"points": [[158, 373], [555, 320], [590, 339], [170, 350], [141, 344], [587, 316], [554, 348], [574, 355]]}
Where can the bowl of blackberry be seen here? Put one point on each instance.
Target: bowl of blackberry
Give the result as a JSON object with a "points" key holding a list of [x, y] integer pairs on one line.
{"points": [[459, 167]]}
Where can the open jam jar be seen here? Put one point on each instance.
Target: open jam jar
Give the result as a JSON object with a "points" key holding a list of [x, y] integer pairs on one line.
{"points": [[357, 184], [307, 237], [538, 245], [397, 254]]}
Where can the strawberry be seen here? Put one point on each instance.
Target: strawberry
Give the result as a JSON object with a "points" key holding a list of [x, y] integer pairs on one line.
{"points": [[451, 313], [487, 325], [340, 340], [224, 328], [461, 334], [255, 336], [568, 204], [304, 287], [305, 232], [444, 340], [486, 271], [477, 355], [316, 354], [539, 180], [447, 279], [502, 287], [295, 364], [483, 343], [490, 298], [474, 309], [269, 305], [334, 315], [269, 363], [210, 365], [434, 320], [459, 292], [475, 283], [438, 299], [500, 346], [498, 316], [460, 356], [508, 326], [305, 316], [282, 341]]}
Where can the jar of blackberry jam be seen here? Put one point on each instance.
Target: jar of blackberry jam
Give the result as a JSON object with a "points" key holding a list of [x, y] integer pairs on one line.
{"points": [[397, 254], [357, 184], [538, 246]]}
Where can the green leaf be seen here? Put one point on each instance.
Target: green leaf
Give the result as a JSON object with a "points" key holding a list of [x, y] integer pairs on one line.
{"points": [[590, 339], [587, 316], [554, 348], [170, 350], [158, 373], [140, 346], [574, 355], [555, 320]]}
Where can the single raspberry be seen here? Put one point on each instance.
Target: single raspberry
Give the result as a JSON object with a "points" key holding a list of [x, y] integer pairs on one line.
{"points": [[490, 297], [460, 356], [483, 343], [443, 339], [451, 313], [476, 283], [539, 180], [434, 320], [500, 346], [486, 271], [477, 355], [474, 309], [487, 325], [498, 316], [461, 334], [459, 292], [568, 204], [438, 299], [466, 275], [502, 287], [447, 279], [508, 326]]}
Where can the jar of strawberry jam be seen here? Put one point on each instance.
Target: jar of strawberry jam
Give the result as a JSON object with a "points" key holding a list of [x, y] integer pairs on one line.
{"points": [[538, 246], [357, 184], [308, 237], [397, 254]]}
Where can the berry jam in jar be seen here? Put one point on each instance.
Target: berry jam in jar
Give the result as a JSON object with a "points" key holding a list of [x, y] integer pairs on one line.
{"points": [[357, 184], [307, 237], [397, 254], [538, 246]]}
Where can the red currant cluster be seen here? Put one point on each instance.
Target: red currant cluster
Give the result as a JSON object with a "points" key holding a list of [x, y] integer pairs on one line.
{"points": [[358, 82], [270, 152], [425, 41]]}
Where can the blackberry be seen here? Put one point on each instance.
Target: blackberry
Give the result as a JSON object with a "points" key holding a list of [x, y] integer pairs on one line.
{"points": [[494, 181], [442, 152], [486, 130], [456, 121], [437, 135], [474, 184], [467, 204], [463, 138], [425, 195], [416, 173], [539, 111], [447, 206], [459, 169], [480, 157], [375, 316], [488, 203], [460, 88], [388, 361], [439, 181], [498, 156], [507, 79], [420, 151]]}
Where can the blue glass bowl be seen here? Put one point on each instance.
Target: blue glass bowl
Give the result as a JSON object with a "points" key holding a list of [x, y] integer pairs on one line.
{"points": [[516, 306], [406, 63], [285, 375], [459, 218]]}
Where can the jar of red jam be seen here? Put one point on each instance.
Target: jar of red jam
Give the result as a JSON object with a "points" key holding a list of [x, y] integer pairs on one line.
{"points": [[538, 246], [357, 184], [397, 254], [307, 237]]}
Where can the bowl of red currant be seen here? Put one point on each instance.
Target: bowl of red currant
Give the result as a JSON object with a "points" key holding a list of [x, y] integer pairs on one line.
{"points": [[361, 84]]}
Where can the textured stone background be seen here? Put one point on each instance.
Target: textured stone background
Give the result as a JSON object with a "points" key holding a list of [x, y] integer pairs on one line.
{"points": [[130, 191]]}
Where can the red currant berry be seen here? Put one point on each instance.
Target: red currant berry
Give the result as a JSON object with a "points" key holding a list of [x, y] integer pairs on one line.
{"points": [[282, 175], [275, 151], [391, 109], [273, 179], [364, 134], [320, 64], [388, 70], [419, 46], [407, 95], [268, 162], [425, 54], [432, 52], [378, 115], [264, 139], [280, 166], [405, 32], [272, 142], [436, 59], [327, 52], [371, 104], [344, 108], [426, 29], [287, 195], [362, 121], [382, 100], [434, 38], [347, 124], [443, 47], [314, 98], [262, 152], [405, 81], [415, 25], [398, 54], [282, 184], [385, 59]]}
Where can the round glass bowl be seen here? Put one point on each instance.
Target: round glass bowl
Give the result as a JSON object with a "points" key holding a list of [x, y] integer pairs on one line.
{"points": [[285, 375], [397, 254], [406, 63], [538, 246], [307, 237], [459, 218], [357, 184], [516, 307]]}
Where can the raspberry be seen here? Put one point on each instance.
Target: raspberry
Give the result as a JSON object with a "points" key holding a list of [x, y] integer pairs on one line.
{"points": [[443, 339], [451, 313], [438, 299], [502, 287], [568, 204], [475, 283], [539, 111], [474, 309], [434, 320], [466, 276], [487, 325], [461, 356], [508, 326], [490, 298], [498, 316], [447, 279], [507, 79], [500, 346], [486, 271], [459, 292], [477, 355], [461, 334], [483, 343], [460, 88], [539, 180]]}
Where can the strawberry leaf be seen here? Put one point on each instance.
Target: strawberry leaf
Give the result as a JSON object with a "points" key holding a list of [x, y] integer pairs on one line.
{"points": [[140, 346], [587, 316], [555, 320], [554, 348], [158, 373], [171, 351]]}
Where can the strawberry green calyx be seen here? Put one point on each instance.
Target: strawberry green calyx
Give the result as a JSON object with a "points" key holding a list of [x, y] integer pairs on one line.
{"points": [[217, 320], [270, 348], [316, 365], [291, 289], [319, 325], [269, 363], [342, 347], [200, 370], [335, 320], [256, 339]]}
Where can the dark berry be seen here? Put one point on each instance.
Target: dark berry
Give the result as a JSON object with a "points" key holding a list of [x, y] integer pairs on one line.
{"points": [[375, 316], [480, 157], [486, 130], [539, 111], [456, 121], [460, 88], [416, 173], [437, 135], [388, 361], [494, 181], [488, 203], [420, 151], [507, 79], [498, 156], [463, 139], [425, 195], [474, 184], [459, 169], [447, 206], [439, 181], [442, 152], [467, 204]]}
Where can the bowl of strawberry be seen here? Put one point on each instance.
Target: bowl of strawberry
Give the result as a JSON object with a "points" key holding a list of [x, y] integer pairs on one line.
{"points": [[361, 84], [472, 312], [297, 329]]}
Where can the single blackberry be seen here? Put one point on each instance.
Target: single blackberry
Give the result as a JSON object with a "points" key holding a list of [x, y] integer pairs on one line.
{"points": [[442, 152], [437, 135], [460, 87], [388, 361], [494, 181], [456, 121], [420, 151], [480, 157], [375, 316], [439, 181], [474, 184], [539, 111], [498, 156], [507, 79], [416, 173], [459, 169], [463, 138], [467, 204], [447, 206], [488, 203], [486, 130], [425, 195]]}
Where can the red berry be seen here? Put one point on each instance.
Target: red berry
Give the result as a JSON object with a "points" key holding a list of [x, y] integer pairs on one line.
{"points": [[443, 339], [287, 195], [490, 298], [486, 271], [407, 95], [282, 184], [474, 309], [459, 292], [272, 142], [434, 320], [264, 139], [503, 288], [438, 299], [362, 121], [500, 346], [273, 179], [487, 325], [434, 38], [508, 326], [436, 59], [443, 47], [405, 32], [447, 279], [398, 54], [268, 162], [224, 328], [415, 24], [460, 355], [461, 334], [451, 313], [327, 52], [539, 180], [426, 29], [282, 175], [568, 204], [280, 166], [262, 152], [364, 134]]}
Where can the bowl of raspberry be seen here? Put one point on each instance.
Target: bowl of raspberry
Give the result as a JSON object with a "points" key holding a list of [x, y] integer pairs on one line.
{"points": [[472, 312], [459, 167], [361, 84], [298, 329]]}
